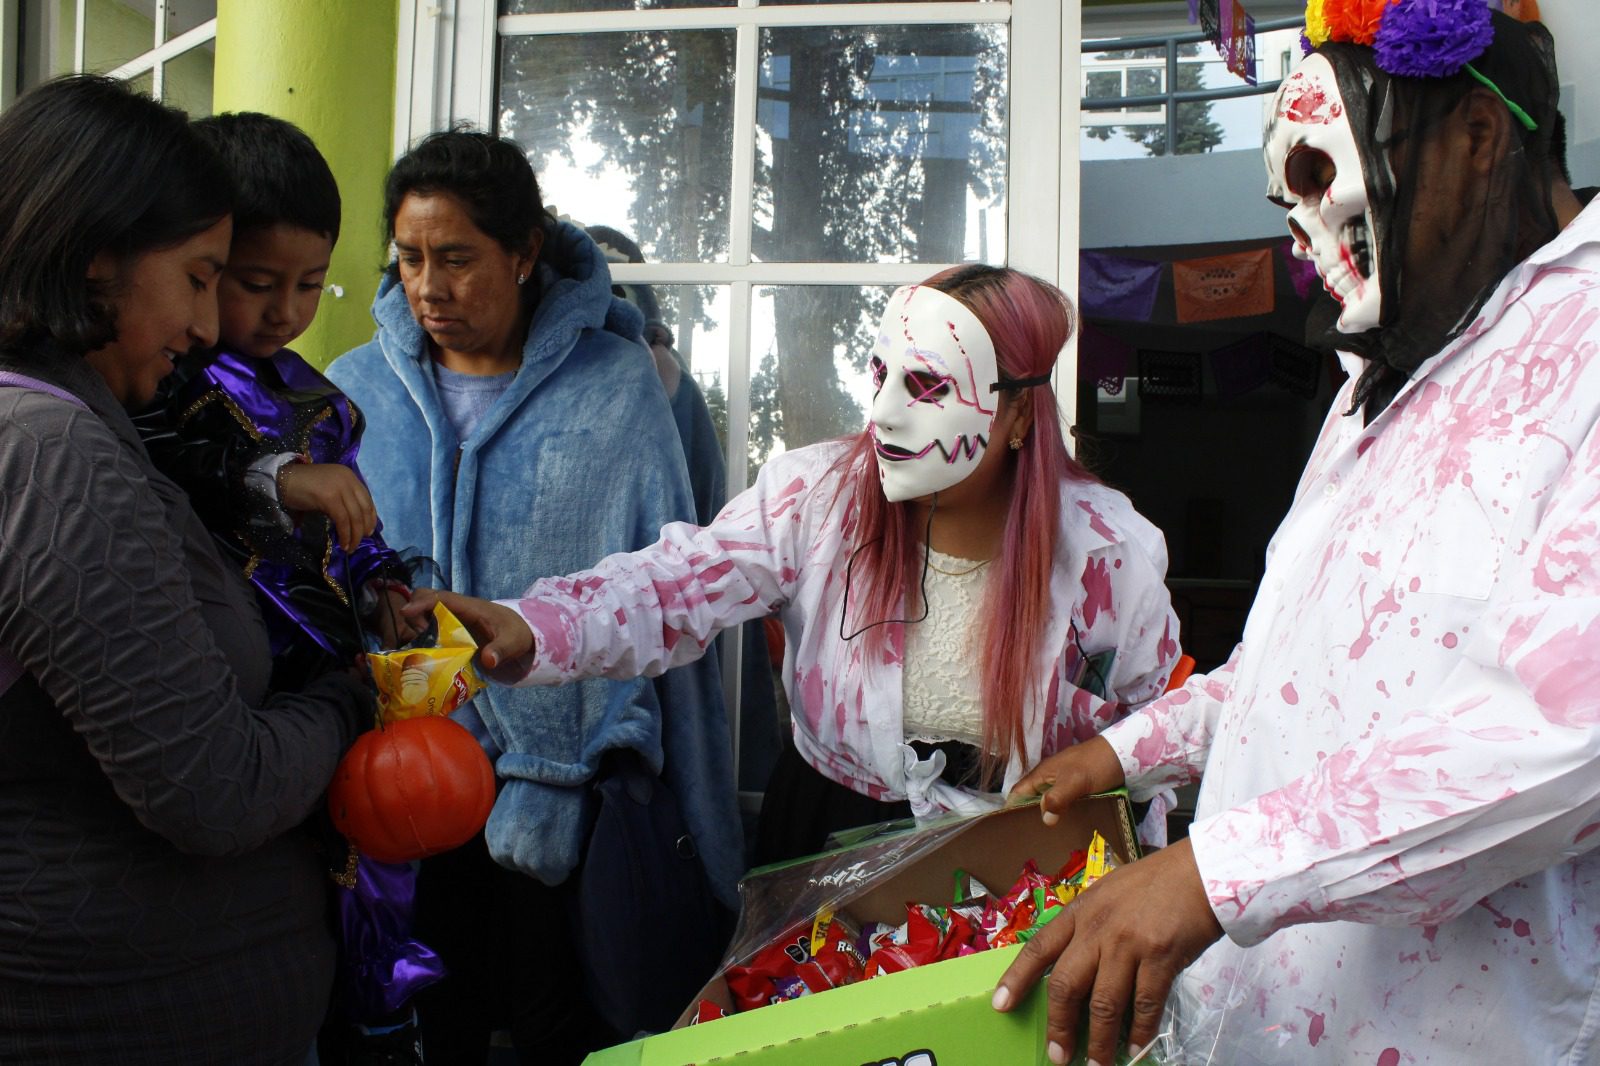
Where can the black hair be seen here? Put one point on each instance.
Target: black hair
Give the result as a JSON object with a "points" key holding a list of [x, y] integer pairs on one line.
{"points": [[489, 175], [91, 167], [1508, 216], [280, 176], [1558, 147]]}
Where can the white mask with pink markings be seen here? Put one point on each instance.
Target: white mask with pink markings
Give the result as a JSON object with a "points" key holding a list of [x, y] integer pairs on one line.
{"points": [[1314, 170], [934, 400]]}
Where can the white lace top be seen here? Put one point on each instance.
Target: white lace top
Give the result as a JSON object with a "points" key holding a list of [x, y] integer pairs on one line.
{"points": [[942, 695]]}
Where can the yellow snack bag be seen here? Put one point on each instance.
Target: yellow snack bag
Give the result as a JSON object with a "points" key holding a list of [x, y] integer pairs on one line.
{"points": [[415, 682]]}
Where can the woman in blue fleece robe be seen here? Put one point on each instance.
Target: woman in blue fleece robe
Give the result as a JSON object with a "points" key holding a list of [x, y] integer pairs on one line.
{"points": [[552, 450]]}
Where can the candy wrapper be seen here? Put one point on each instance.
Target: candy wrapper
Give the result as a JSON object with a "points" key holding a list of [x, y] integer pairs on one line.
{"points": [[830, 951], [707, 1011], [418, 681], [813, 957]]}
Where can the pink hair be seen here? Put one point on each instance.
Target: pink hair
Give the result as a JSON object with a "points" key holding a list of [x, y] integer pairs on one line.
{"points": [[1029, 322]]}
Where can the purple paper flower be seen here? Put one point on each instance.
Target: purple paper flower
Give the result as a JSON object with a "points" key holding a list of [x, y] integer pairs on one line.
{"points": [[1432, 38]]}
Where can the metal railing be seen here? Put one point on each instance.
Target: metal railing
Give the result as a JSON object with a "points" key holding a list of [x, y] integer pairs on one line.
{"points": [[1170, 98]]}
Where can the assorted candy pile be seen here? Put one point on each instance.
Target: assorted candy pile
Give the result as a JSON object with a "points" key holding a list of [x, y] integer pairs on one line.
{"points": [[830, 950]]}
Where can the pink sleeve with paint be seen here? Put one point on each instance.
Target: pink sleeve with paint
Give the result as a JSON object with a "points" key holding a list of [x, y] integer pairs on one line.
{"points": [[1497, 778], [1165, 743], [644, 612]]}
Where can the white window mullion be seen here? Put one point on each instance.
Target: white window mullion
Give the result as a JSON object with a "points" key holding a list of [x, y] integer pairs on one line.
{"points": [[737, 394], [1067, 120], [741, 195], [475, 67], [892, 14], [778, 273], [79, 36], [741, 294], [1034, 188]]}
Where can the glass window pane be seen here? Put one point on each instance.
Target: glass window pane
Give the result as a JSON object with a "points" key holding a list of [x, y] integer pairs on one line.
{"points": [[632, 130], [187, 79], [185, 15], [1103, 84], [698, 333], [144, 83], [1146, 81], [809, 347], [881, 144], [116, 31], [47, 28], [545, 7]]}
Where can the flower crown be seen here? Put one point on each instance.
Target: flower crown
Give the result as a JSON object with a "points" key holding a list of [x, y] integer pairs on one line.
{"points": [[1411, 38]]}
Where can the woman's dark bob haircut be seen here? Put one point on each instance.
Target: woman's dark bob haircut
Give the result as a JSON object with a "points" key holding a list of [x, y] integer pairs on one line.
{"points": [[90, 166], [489, 175]]}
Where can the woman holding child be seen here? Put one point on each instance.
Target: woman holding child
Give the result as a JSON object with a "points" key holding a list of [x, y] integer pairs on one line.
{"points": [[961, 598], [156, 902]]}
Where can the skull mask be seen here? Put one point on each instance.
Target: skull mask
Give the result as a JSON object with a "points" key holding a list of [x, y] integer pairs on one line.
{"points": [[933, 404], [1314, 170]]}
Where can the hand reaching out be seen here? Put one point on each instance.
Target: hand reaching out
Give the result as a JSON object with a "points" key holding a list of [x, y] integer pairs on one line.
{"points": [[332, 490], [502, 635]]}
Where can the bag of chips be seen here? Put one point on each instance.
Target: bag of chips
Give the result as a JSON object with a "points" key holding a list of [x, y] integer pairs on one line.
{"points": [[414, 682]]}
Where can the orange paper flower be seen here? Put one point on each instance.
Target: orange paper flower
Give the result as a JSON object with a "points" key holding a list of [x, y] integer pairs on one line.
{"points": [[1354, 21]]}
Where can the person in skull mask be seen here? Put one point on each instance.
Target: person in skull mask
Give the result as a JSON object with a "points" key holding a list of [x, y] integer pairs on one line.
{"points": [[959, 596], [1394, 853]]}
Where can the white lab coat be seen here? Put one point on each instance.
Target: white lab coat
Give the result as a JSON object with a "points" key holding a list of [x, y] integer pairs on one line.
{"points": [[1401, 796]]}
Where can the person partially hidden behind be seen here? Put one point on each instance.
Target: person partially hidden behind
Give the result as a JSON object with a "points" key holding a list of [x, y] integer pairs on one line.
{"points": [[1393, 858]]}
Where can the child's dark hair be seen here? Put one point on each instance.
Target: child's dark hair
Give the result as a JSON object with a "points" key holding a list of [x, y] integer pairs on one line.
{"points": [[488, 174], [281, 177], [91, 167]]}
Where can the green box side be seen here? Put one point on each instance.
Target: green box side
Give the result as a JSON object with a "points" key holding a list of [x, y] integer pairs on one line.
{"points": [[943, 1009]]}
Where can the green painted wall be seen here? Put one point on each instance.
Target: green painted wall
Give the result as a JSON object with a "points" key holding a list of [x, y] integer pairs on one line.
{"points": [[329, 69]]}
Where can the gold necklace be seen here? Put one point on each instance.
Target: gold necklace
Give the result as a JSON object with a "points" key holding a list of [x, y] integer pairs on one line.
{"points": [[957, 573]]}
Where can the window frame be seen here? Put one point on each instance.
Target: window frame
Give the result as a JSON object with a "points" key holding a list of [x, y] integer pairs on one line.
{"points": [[446, 70], [163, 49]]}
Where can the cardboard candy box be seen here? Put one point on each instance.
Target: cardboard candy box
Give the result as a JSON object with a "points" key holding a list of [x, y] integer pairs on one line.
{"points": [[933, 1015]]}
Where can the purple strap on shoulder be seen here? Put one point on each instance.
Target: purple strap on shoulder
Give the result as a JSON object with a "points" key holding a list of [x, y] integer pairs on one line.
{"points": [[23, 381], [10, 669]]}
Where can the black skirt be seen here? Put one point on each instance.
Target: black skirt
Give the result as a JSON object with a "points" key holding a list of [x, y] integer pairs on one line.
{"points": [[802, 808]]}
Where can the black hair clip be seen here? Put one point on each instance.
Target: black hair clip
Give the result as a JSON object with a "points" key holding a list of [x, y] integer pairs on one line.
{"points": [[1008, 384]]}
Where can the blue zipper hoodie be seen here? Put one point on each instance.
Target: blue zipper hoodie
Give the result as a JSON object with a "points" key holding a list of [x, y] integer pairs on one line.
{"points": [[579, 458]]}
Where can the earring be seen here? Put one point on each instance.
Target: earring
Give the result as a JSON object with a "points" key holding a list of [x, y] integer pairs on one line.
{"points": [[522, 278], [1016, 444]]}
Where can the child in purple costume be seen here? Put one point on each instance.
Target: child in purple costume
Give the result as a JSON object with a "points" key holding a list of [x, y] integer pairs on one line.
{"points": [[266, 448]]}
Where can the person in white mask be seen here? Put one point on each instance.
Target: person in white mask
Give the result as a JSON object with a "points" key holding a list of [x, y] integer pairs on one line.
{"points": [[960, 597], [1394, 855]]}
